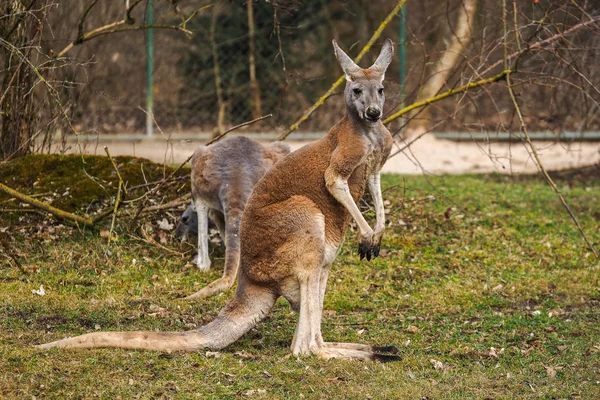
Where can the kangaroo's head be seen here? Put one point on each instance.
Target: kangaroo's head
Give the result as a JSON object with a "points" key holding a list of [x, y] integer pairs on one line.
{"points": [[364, 87], [188, 224]]}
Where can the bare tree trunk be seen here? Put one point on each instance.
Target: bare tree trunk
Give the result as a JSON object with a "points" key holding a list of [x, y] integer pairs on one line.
{"points": [[254, 86], [217, 72], [442, 69], [16, 98]]}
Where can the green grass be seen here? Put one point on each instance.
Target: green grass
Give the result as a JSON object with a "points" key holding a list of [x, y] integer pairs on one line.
{"points": [[507, 270]]}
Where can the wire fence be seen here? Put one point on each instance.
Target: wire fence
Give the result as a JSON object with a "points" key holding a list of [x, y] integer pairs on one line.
{"points": [[251, 58]]}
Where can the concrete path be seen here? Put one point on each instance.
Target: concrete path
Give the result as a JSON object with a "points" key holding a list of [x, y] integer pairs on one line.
{"points": [[427, 155]]}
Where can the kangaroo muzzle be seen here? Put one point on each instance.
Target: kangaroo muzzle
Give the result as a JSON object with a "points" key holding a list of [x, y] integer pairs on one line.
{"points": [[373, 114]]}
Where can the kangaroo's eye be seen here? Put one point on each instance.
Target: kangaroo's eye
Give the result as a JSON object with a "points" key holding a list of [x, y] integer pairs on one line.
{"points": [[380, 91], [357, 91]]}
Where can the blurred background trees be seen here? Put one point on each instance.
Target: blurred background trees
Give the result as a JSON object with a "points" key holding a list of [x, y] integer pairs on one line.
{"points": [[243, 59]]}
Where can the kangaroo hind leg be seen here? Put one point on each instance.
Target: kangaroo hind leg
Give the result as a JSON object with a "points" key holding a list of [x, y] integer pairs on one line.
{"points": [[312, 275], [232, 258]]}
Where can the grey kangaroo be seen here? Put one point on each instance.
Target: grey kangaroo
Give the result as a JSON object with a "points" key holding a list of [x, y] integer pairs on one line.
{"points": [[187, 226], [293, 227], [223, 177]]}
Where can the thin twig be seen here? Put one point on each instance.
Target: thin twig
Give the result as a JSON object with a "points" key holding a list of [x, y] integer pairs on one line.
{"points": [[337, 83], [539, 44], [172, 204], [81, 24], [143, 185], [217, 138], [509, 87], [150, 240], [117, 26], [120, 190], [543, 170], [9, 252], [193, 14], [451, 92], [9, 86]]}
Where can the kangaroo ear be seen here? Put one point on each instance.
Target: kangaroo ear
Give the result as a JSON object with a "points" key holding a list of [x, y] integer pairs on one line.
{"points": [[384, 59], [349, 67]]}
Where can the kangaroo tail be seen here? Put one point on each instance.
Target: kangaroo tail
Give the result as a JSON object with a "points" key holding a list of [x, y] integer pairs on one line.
{"points": [[250, 305], [232, 258]]}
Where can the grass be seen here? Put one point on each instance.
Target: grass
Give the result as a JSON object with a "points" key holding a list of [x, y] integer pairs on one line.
{"points": [[484, 283]]}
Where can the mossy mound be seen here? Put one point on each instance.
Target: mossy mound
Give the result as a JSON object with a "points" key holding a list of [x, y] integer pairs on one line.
{"points": [[83, 184]]}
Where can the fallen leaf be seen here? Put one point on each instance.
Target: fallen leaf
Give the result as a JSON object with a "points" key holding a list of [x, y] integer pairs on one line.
{"points": [[437, 364], [337, 379], [497, 288], [551, 372], [267, 374], [495, 353], [526, 351], [252, 392], [214, 354], [165, 225], [40, 291], [413, 329], [243, 354], [448, 213]]}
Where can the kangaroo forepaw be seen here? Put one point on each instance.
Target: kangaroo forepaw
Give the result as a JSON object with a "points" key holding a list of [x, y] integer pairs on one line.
{"points": [[386, 349], [386, 358], [364, 250], [375, 250]]}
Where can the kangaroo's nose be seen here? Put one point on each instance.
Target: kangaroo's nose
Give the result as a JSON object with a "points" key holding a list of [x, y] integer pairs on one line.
{"points": [[373, 113]]}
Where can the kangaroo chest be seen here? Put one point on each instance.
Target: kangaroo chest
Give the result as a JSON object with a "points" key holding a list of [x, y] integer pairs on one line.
{"points": [[371, 162]]}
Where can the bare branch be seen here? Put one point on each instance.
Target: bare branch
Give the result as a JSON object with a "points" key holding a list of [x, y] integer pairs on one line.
{"points": [[81, 24], [117, 26], [451, 92], [46, 207], [541, 43]]}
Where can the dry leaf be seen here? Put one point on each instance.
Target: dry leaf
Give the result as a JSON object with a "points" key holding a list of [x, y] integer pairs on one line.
{"points": [[448, 213], [40, 291], [551, 372], [267, 374], [243, 354], [165, 225], [252, 392], [495, 353], [413, 329], [437, 364]]}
